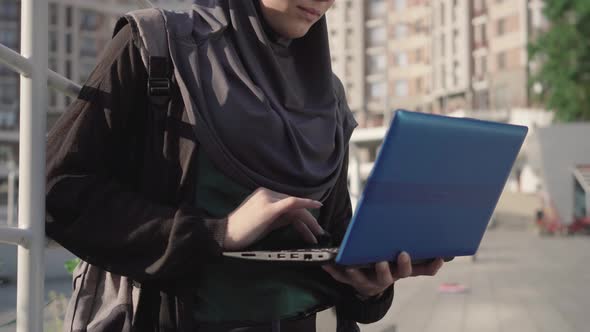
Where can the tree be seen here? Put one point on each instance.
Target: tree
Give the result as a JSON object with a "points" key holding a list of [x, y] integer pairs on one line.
{"points": [[563, 53]]}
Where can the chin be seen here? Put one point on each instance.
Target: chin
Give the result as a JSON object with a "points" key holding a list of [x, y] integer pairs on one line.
{"points": [[298, 32]]}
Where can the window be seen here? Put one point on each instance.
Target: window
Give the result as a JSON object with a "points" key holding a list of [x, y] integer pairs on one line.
{"points": [[377, 36], [401, 58], [9, 38], [401, 88], [88, 47], [9, 90], [69, 19], [68, 43], [502, 60], [69, 69], [377, 8], [419, 85], [89, 20], [53, 14], [478, 7], [399, 4], [377, 90], [480, 68], [52, 63], [419, 55], [86, 68], [481, 99], [9, 9], [401, 30], [501, 27], [52, 41], [376, 63], [52, 98], [350, 41], [480, 36]]}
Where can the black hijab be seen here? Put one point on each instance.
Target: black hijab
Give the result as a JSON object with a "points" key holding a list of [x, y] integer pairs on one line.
{"points": [[268, 111]]}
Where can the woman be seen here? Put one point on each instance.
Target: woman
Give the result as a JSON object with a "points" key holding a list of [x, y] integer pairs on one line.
{"points": [[249, 151]]}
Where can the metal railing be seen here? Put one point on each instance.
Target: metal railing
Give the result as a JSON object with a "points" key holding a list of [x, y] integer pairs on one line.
{"points": [[29, 236]]}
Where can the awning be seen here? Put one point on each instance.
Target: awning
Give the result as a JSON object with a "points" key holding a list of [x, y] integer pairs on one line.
{"points": [[582, 174]]}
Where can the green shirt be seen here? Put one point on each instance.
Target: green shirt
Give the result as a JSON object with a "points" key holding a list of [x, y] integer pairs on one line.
{"points": [[237, 290]]}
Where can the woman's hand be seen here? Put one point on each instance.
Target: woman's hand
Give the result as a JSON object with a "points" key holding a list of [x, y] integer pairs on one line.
{"points": [[265, 210], [376, 282]]}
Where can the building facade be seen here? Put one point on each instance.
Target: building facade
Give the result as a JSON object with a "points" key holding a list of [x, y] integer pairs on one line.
{"points": [[359, 47], [410, 55], [78, 31], [439, 55]]}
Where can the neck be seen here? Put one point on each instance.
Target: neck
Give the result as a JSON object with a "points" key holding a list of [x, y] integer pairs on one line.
{"points": [[273, 36]]}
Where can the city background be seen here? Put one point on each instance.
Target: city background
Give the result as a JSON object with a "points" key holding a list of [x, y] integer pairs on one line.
{"points": [[453, 57]]}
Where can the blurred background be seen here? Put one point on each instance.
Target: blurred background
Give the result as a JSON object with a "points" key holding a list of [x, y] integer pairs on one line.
{"points": [[520, 61]]}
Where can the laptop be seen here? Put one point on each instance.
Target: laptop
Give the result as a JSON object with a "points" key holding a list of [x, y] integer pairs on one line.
{"points": [[432, 191]]}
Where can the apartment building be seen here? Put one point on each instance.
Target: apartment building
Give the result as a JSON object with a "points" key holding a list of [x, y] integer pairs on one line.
{"points": [[78, 31], [359, 48], [410, 55], [451, 54], [440, 55], [501, 32], [9, 81], [345, 27], [480, 52]]}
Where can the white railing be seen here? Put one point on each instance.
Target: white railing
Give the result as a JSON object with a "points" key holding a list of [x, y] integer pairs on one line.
{"points": [[359, 171], [29, 236]]}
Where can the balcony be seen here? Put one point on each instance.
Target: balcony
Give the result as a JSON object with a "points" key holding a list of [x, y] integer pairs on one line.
{"points": [[480, 44], [479, 9]]}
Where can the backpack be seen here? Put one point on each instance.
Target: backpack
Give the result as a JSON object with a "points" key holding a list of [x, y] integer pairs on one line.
{"points": [[101, 300], [154, 51]]}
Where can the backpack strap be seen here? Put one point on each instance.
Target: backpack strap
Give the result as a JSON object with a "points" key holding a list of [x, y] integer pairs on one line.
{"points": [[149, 28]]}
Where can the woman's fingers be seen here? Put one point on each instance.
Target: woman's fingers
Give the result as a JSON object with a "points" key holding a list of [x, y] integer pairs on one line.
{"points": [[294, 211], [287, 204], [404, 266], [309, 220], [338, 275], [358, 278], [429, 269], [305, 232], [383, 274]]}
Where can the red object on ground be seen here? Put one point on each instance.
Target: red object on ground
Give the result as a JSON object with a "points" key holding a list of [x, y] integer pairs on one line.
{"points": [[452, 287], [580, 225]]}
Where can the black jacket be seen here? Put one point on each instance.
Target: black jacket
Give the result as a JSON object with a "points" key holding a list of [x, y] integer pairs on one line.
{"points": [[120, 187]]}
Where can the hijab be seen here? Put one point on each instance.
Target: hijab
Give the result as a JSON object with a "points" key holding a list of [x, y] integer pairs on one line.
{"points": [[268, 111]]}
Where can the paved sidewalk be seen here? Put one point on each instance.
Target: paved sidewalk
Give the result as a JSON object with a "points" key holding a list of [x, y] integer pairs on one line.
{"points": [[520, 282]]}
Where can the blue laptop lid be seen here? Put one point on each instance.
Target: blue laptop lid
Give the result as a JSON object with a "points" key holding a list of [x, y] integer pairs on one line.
{"points": [[433, 189]]}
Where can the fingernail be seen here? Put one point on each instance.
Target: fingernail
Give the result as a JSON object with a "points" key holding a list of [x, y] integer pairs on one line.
{"points": [[404, 257], [319, 203]]}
